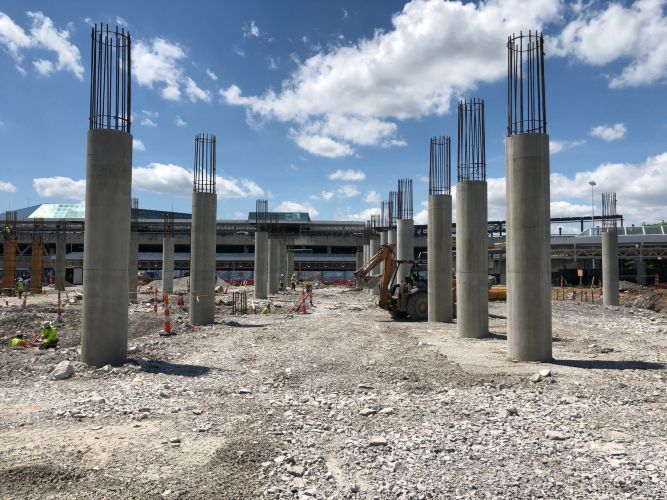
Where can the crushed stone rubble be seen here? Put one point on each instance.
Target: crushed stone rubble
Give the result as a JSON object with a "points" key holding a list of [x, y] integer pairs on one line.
{"points": [[338, 403]]}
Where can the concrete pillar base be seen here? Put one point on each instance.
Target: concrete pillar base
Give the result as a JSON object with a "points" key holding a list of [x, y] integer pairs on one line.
{"points": [[203, 258], [439, 263], [405, 247]]}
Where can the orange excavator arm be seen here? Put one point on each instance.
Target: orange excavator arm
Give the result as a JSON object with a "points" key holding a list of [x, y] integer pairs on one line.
{"points": [[384, 255]]}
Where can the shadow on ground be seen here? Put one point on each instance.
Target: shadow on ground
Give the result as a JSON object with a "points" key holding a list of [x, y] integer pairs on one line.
{"points": [[158, 366], [607, 364]]}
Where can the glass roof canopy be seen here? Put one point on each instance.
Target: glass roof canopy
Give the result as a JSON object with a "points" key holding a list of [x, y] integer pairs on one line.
{"points": [[78, 211]]}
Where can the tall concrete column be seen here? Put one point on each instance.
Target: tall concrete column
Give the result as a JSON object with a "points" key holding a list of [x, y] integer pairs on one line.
{"points": [[106, 246], [383, 241], [274, 264], [528, 248], [610, 268], [360, 264], [439, 251], [203, 258], [261, 269], [133, 266], [168, 263], [203, 233], [61, 265], [366, 253], [373, 248], [641, 272], [290, 266], [472, 296], [283, 263], [405, 246], [391, 236]]}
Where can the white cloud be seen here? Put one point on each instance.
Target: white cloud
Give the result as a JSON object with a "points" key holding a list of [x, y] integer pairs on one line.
{"points": [[238, 51], [348, 191], [138, 145], [194, 92], [147, 122], [175, 180], [272, 62], [321, 145], [558, 146], [211, 74], [7, 187], [180, 122], [324, 195], [121, 21], [157, 63], [294, 206], [43, 35], [148, 118], [609, 133], [348, 213], [434, 51], [636, 33], [251, 30], [347, 175], [60, 187], [372, 197]]}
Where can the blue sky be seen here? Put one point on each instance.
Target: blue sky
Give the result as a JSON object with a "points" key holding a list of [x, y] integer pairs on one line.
{"points": [[322, 106]]}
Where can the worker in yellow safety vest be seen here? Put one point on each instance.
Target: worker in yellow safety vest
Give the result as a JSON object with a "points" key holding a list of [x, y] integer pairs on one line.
{"points": [[49, 336], [292, 282], [18, 341], [20, 287]]}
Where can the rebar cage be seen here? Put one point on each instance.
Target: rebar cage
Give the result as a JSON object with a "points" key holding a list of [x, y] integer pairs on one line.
{"points": [[261, 215], [384, 214], [609, 217], [393, 208], [526, 97], [471, 151], [204, 164], [168, 229], [440, 166], [404, 199], [37, 229], [110, 79]]}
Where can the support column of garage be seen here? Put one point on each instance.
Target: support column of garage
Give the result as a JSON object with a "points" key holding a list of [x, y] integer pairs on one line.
{"points": [[283, 262], [203, 233], [373, 247], [9, 251], [37, 256], [527, 193], [274, 255], [168, 253], [133, 262], [384, 229], [405, 230], [261, 267], [439, 236], [61, 252], [609, 251], [108, 188], [472, 299], [290, 266]]}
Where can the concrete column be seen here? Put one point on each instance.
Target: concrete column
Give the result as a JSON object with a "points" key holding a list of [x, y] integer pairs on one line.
{"points": [[261, 268], [472, 295], [373, 249], [405, 246], [133, 266], [439, 248], [61, 265], [106, 247], [168, 264], [391, 237], [203, 258], [383, 241], [274, 265], [610, 267], [528, 248], [283, 263], [360, 264], [290, 266], [641, 272]]}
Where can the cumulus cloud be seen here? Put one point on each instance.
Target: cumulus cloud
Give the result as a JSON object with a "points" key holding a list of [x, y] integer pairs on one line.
{"points": [[347, 175], [635, 34], [211, 74], [138, 145], [352, 95], [148, 118], [347, 213], [609, 133], [324, 195], [294, 206], [558, 146], [251, 30], [194, 92], [7, 187], [176, 180], [60, 187], [42, 35], [348, 191], [180, 122], [372, 197]]}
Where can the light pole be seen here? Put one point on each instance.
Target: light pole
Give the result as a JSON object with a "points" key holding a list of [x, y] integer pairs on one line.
{"points": [[592, 183]]}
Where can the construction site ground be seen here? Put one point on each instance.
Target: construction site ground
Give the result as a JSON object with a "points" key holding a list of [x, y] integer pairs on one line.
{"points": [[341, 402]]}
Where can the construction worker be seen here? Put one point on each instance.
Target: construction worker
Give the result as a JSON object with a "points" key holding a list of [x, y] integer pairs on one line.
{"points": [[292, 282], [281, 283], [7, 231], [267, 309], [49, 336], [18, 341], [20, 287]]}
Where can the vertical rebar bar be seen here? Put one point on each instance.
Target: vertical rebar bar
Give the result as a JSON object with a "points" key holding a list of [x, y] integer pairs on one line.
{"points": [[204, 163], [471, 151], [440, 166], [609, 217], [404, 199], [526, 93]]}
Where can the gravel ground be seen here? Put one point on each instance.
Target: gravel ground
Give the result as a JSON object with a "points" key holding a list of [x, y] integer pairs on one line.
{"points": [[342, 402]]}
